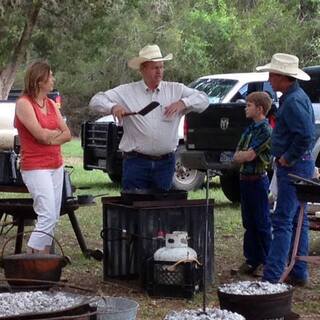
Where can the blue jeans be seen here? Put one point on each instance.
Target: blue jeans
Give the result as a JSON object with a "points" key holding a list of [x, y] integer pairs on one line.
{"points": [[139, 173], [256, 220], [284, 222]]}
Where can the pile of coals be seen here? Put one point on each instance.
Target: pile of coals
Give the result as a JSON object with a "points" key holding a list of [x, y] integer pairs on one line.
{"points": [[210, 314], [254, 288], [12, 304]]}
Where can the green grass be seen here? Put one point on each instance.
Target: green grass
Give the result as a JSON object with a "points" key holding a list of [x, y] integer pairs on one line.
{"points": [[72, 149]]}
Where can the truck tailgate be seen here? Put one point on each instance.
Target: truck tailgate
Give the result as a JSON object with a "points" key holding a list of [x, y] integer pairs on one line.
{"points": [[219, 127]]}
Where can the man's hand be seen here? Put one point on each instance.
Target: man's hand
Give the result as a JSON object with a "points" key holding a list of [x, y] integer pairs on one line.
{"points": [[174, 108], [118, 111]]}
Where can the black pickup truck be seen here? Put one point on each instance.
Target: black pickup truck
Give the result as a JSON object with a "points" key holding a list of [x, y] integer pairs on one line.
{"points": [[14, 94], [212, 136], [100, 139]]}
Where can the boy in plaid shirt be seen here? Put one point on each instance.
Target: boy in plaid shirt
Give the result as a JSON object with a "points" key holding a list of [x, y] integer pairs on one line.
{"points": [[253, 155]]}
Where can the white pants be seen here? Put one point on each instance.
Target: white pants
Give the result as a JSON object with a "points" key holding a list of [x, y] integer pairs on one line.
{"points": [[45, 186]]}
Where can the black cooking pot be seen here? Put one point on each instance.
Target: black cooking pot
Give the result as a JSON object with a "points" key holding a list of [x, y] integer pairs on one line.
{"points": [[258, 307], [129, 196], [21, 269]]}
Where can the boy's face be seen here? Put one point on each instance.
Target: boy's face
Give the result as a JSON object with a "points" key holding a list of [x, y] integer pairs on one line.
{"points": [[253, 111]]}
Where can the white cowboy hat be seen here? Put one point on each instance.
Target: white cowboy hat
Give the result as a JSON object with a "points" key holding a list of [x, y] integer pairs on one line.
{"points": [[285, 64], [148, 53]]}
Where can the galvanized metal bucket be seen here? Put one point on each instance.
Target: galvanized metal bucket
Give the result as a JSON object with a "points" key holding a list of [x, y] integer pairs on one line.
{"points": [[116, 308]]}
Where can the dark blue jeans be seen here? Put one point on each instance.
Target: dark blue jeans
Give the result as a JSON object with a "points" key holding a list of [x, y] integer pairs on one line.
{"points": [[256, 220], [284, 222], [139, 173]]}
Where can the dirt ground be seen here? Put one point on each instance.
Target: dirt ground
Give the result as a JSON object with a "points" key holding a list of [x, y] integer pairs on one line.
{"points": [[306, 301], [88, 273]]}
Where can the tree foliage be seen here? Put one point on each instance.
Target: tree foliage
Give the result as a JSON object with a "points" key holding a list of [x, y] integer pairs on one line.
{"points": [[88, 42]]}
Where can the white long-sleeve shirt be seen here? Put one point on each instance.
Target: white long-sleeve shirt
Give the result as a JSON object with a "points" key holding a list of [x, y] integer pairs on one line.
{"points": [[152, 134]]}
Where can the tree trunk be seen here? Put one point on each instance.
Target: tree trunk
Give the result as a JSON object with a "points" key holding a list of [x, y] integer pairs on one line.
{"points": [[8, 73]]}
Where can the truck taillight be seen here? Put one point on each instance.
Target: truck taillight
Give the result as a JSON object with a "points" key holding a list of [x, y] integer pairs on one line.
{"points": [[185, 129], [58, 101]]}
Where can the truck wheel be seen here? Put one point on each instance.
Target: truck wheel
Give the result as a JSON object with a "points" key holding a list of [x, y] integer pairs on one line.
{"points": [[230, 186], [114, 177], [185, 178]]}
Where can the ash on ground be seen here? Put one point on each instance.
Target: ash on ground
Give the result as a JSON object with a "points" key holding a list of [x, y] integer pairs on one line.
{"points": [[12, 304], [254, 288], [211, 314]]}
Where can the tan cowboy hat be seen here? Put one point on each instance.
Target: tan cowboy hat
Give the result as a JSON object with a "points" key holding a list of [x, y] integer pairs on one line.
{"points": [[148, 53], [285, 64]]}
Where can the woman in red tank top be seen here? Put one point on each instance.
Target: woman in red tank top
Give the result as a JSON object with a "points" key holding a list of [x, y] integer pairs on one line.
{"points": [[41, 131]]}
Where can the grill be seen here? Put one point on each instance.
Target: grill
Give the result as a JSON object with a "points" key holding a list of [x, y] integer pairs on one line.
{"points": [[132, 233], [22, 210]]}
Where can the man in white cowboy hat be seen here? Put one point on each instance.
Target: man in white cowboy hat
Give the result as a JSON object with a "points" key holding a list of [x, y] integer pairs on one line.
{"points": [[292, 141], [149, 141]]}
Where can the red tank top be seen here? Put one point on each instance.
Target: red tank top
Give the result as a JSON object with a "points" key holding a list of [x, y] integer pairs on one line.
{"points": [[35, 155]]}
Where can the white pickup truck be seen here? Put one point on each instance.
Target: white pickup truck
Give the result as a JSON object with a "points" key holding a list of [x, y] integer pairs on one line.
{"points": [[7, 131], [212, 136]]}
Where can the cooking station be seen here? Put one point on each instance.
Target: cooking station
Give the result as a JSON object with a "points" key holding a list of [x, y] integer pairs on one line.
{"points": [[21, 209]]}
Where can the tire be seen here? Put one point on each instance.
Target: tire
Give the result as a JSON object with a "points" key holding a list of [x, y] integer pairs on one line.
{"points": [[230, 186], [185, 178], [115, 177]]}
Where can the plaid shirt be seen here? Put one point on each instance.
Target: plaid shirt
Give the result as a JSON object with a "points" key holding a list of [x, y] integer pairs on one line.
{"points": [[258, 137]]}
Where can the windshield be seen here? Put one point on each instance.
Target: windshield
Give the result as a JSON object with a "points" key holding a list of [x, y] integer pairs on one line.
{"points": [[216, 89]]}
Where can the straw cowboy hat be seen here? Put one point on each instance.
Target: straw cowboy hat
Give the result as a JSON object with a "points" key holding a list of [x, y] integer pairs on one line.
{"points": [[285, 64], [148, 53]]}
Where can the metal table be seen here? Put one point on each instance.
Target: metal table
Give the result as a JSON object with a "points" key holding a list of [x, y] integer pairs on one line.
{"points": [[21, 209], [307, 191]]}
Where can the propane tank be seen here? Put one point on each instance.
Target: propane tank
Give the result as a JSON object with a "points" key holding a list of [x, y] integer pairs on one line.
{"points": [[176, 248]]}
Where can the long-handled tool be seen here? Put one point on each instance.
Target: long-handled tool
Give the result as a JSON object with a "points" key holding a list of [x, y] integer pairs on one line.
{"points": [[205, 258], [298, 178], [151, 106], [205, 250]]}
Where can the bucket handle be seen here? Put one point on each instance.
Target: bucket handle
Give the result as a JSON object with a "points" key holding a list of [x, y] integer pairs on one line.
{"points": [[173, 267], [25, 232]]}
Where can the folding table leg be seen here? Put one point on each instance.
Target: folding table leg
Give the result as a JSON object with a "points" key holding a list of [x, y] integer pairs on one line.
{"points": [[96, 254], [19, 238], [78, 233]]}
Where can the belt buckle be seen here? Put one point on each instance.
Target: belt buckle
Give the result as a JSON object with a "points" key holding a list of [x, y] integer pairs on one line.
{"points": [[155, 157]]}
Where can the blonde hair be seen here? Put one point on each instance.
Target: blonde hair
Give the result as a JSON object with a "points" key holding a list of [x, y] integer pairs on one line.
{"points": [[36, 72], [262, 99]]}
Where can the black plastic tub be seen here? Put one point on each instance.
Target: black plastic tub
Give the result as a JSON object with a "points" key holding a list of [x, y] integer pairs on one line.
{"points": [[133, 232]]}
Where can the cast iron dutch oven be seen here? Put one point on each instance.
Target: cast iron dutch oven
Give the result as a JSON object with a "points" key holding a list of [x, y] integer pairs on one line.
{"points": [[26, 267], [258, 307]]}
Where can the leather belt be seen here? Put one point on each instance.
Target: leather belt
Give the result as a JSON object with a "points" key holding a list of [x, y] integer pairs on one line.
{"points": [[146, 156], [252, 177]]}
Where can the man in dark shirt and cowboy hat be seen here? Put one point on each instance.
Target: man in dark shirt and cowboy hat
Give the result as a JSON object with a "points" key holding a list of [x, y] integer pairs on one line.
{"points": [[292, 141], [149, 141]]}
